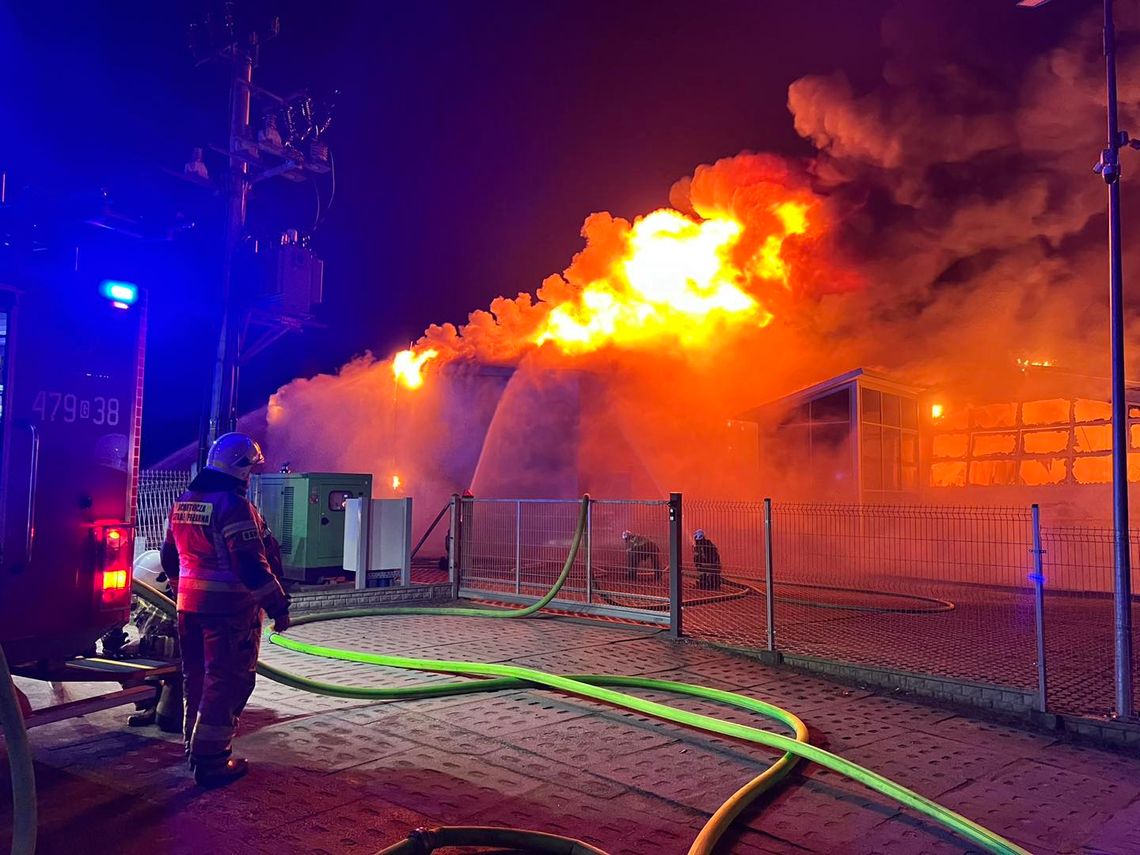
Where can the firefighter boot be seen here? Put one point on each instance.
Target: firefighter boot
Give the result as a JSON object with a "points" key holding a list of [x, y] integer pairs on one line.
{"points": [[168, 713], [141, 718], [145, 712], [218, 771]]}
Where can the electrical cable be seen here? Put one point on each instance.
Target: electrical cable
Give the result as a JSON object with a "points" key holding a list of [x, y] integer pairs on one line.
{"points": [[22, 771], [497, 677]]}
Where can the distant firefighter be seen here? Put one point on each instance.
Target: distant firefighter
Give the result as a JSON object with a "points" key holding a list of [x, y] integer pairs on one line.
{"points": [[196, 166], [706, 557], [640, 550]]}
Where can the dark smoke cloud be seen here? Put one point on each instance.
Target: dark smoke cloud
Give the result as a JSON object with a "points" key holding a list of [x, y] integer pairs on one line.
{"points": [[973, 210]]}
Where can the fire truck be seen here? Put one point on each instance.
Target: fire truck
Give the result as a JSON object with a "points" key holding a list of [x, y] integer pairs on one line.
{"points": [[71, 362], [71, 379]]}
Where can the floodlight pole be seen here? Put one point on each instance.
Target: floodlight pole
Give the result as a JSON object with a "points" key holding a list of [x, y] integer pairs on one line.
{"points": [[1109, 169]]}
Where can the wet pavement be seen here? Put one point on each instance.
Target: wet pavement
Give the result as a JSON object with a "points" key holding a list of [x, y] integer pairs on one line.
{"points": [[333, 776]]}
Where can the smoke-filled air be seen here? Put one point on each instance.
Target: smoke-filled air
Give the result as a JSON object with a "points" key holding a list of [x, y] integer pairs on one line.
{"points": [[947, 227]]}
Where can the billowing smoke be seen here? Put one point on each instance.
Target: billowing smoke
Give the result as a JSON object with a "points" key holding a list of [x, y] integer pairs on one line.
{"points": [[951, 225], [975, 215]]}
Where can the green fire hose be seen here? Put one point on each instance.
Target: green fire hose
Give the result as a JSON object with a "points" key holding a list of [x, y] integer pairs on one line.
{"points": [[495, 677], [20, 761]]}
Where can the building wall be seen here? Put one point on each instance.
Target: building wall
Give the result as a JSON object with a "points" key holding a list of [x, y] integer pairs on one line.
{"points": [[1038, 443]]}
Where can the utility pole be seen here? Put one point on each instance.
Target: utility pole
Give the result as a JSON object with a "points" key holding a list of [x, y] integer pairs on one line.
{"points": [[291, 275], [223, 398]]}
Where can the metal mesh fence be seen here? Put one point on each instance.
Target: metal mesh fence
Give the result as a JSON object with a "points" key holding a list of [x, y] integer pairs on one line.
{"points": [[515, 548], [729, 609], [929, 590], [1079, 618], [932, 590], [157, 491]]}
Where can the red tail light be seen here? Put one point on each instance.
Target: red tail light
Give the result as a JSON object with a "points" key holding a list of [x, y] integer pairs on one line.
{"points": [[113, 564]]}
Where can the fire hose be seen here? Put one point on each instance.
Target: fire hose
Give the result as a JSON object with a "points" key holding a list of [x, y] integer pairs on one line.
{"points": [[20, 761], [497, 677]]}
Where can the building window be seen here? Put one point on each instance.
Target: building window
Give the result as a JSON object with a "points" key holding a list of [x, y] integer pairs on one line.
{"points": [[815, 440], [889, 441]]}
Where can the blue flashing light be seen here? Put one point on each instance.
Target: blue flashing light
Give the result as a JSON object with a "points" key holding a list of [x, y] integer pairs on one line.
{"points": [[121, 294]]}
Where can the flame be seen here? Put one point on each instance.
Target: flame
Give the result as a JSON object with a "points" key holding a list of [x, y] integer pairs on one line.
{"points": [[407, 366], [676, 278], [396, 482], [748, 244], [769, 262]]}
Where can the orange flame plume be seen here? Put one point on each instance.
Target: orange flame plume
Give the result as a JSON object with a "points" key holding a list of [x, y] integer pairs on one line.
{"points": [[669, 277]]}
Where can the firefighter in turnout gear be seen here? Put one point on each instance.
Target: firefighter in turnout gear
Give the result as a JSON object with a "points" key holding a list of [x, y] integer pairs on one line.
{"points": [[707, 559], [215, 554], [640, 550]]}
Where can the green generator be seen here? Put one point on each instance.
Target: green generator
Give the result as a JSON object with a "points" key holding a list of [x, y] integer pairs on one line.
{"points": [[305, 511]]}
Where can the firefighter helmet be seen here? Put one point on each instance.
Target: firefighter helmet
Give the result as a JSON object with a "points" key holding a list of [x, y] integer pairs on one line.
{"points": [[699, 534], [234, 454], [148, 568], [626, 535]]}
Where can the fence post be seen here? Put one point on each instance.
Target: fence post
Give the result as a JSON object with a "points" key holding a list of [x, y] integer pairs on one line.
{"points": [[1038, 578], [453, 547], [518, 546], [675, 627], [589, 556], [769, 593]]}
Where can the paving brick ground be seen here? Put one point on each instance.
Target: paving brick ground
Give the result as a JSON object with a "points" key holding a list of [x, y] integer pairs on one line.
{"points": [[334, 776], [989, 636]]}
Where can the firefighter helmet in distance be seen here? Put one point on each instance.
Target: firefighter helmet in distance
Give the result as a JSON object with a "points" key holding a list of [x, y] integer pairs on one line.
{"points": [[234, 454], [699, 534], [626, 535]]}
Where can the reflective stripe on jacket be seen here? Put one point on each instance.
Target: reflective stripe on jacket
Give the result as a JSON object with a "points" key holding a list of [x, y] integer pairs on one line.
{"points": [[215, 532]]}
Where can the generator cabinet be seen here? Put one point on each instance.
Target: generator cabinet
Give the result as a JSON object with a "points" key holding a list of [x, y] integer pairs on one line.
{"points": [[305, 511]]}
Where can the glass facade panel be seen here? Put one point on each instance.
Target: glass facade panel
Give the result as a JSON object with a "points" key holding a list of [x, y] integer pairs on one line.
{"points": [[889, 443], [892, 459], [872, 457], [892, 410], [835, 407], [909, 413], [872, 401]]}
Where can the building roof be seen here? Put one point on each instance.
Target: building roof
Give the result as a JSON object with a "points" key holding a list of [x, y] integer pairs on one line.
{"points": [[860, 376]]}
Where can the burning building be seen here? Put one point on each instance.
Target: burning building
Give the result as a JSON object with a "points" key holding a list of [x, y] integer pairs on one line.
{"points": [[1036, 434]]}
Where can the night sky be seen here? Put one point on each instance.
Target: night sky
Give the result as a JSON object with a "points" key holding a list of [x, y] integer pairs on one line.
{"points": [[470, 140]]}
